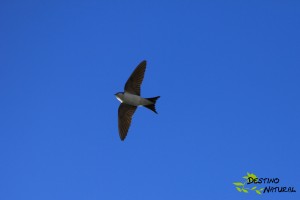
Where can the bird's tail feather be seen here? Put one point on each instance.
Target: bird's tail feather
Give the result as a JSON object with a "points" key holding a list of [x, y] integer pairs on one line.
{"points": [[152, 106]]}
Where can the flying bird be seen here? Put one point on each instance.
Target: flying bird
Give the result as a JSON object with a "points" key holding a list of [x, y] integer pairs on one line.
{"points": [[131, 98]]}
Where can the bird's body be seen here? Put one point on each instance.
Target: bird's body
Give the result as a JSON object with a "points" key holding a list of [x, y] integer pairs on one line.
{"points": [[131, 98]]}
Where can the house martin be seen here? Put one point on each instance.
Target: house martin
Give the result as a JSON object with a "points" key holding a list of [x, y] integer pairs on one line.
{"points": [[131, 98]]}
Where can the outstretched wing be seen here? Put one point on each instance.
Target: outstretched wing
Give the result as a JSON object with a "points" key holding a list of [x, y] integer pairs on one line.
{"points": [[125, 113], [133, 84]]}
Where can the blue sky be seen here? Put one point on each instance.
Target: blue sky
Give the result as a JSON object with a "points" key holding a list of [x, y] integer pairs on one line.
{"points": [[227, 73]]}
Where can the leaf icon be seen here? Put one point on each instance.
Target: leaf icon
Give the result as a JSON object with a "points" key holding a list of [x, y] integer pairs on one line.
{"points": [[245, 177], [238, 184], [253, 188], [253, 176], [262, 189], [239, 189], [257, 191], [246, 191]]}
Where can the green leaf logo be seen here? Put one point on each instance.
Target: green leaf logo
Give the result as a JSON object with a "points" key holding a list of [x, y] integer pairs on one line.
{"points": [[244, 190], [257, 191], [238, 183], [241, 186]]}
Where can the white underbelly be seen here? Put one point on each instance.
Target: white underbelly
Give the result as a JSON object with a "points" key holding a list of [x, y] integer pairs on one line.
{"points": [[135, 100]]}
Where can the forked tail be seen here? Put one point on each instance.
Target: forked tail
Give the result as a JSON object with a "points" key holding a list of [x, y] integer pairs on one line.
{"points": [[152, 106]]}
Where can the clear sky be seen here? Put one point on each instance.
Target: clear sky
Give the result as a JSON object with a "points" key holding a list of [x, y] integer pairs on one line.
{"points": [[228, 73]]}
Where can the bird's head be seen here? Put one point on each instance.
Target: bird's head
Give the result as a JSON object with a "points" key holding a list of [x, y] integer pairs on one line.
{"points": [[119, 96]]}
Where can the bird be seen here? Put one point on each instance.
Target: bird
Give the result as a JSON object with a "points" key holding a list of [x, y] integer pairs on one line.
{"points": [[131, 98]]}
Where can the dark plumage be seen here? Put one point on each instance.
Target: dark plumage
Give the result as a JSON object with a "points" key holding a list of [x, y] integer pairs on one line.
{"points": [[131, 98]]}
